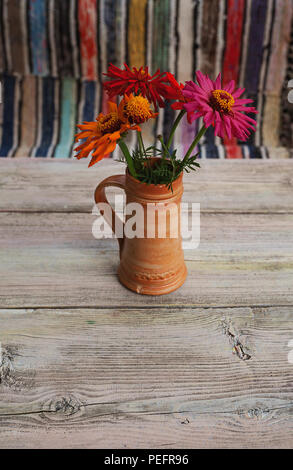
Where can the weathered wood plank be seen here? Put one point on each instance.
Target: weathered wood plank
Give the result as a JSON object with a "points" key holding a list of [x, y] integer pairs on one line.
{"points": [[221, 186], [53, 260], [157, 378], [264, 430]]}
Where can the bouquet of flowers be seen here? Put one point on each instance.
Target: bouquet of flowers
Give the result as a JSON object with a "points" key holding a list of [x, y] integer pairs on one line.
{"points": [[143, 95]]}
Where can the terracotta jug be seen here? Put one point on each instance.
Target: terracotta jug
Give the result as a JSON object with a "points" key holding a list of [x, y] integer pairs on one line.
{"points": [[149, 265]]}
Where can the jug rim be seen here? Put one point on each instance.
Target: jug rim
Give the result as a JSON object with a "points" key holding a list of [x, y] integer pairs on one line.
{"points": [[154, 189]]}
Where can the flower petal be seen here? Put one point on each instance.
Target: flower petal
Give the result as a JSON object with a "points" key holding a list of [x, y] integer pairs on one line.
{"points": [[230, 87], [218, 82], [203, 82]]}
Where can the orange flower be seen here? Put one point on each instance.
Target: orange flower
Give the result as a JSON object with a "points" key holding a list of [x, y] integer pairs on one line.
{"points": [[137, 109], [102, 136]]}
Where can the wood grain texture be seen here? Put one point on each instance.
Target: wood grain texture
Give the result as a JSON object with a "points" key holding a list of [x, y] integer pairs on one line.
{"points": [[221, 186], [86, 363], [53, 260], [135, 378]]}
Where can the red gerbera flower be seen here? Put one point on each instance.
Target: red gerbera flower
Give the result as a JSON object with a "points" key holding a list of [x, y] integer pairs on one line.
{"points": [[174, 92], [152, 87]]}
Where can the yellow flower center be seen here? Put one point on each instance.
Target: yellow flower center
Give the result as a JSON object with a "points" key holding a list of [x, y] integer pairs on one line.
{"points": [[109, 123], [138, 109], [222, 101]]}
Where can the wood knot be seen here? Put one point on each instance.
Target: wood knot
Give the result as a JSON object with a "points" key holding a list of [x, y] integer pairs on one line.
{"points": [[6, 365], [9, 377], [61, 407], [237, 347], [258, 412], [185, 421]]}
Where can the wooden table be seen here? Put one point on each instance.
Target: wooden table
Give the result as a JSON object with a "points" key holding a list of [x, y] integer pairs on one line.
{"points": [[87, 363]]}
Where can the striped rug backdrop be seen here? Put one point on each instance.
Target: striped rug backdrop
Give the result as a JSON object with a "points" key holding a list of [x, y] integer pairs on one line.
{"points": [[53, 54]]}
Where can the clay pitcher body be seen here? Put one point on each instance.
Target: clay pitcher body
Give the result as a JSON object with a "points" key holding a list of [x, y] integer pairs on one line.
{"points": [[151, 255]]}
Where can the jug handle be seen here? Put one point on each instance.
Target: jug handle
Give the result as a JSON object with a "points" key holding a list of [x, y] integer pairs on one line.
{"points": [[100, 197]]}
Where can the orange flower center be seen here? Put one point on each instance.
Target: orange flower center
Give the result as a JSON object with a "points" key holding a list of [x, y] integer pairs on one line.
{"points": [[137, 109], [109, 123], [222, 101]]}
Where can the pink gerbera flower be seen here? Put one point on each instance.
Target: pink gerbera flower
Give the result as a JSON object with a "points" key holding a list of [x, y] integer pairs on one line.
{"points": [[219, 106]]}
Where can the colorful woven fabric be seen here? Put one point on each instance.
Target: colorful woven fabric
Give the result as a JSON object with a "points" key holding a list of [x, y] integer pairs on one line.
{"points": [[53, 54]]}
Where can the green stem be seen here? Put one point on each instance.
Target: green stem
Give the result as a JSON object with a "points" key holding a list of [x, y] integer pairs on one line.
{"points": [[167, 152], [194, 143], [128, 158], [174, 127], [164, 147], [140, 142]]}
